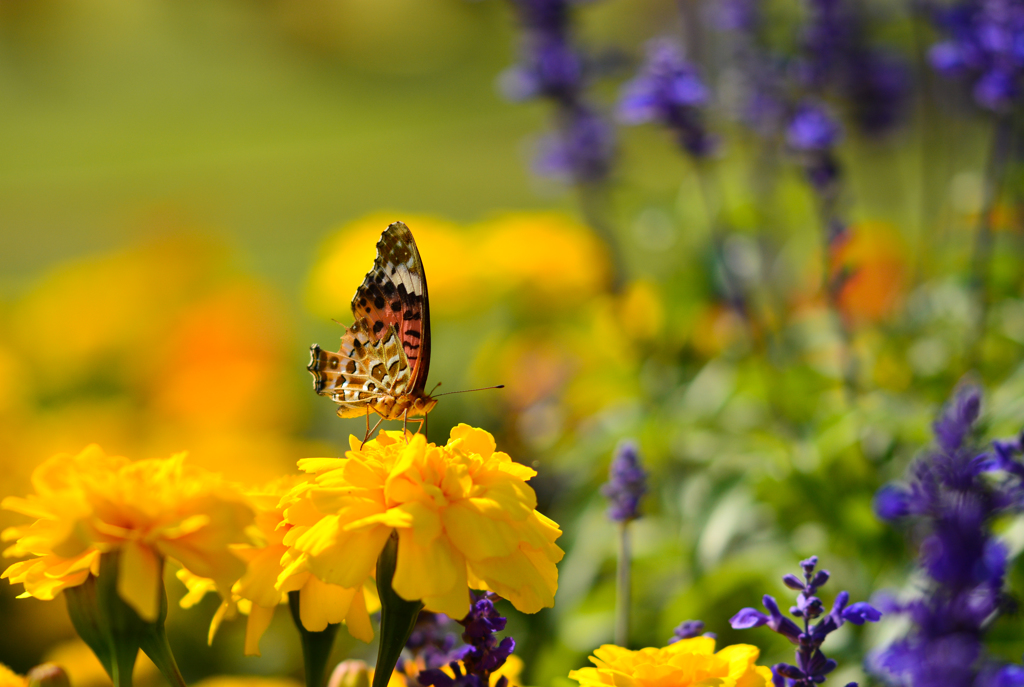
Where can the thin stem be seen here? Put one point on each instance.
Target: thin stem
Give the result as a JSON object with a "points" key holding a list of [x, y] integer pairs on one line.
{"points": [[623, 587], [981, 259], [593, 197], [734, 293]]}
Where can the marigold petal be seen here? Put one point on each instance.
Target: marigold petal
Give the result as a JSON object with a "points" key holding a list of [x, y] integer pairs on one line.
{"points": [[473, 440], [138, 580], [350, 558], [475, 534], [358, 618], [423, 571], [255, 626], [321, 604], [258, 583]]}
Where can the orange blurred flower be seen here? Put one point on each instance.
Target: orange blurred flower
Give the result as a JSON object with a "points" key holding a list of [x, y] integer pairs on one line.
{"points": [[871, 264]]}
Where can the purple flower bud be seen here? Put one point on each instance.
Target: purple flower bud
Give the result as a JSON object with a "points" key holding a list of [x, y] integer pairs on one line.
{"points": [[892, 502], [793, 582], [861, 612], [627, 483], [691, 629], [748, 618]]}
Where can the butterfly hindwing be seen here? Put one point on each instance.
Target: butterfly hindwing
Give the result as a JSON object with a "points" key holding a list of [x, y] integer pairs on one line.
{"points": [[362, 370], [394, 294]]}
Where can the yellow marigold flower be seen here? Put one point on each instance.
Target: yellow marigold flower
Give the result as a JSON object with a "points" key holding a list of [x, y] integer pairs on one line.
{"points": [[687, 663], [464, 515], [91, 503], [256, 594]]}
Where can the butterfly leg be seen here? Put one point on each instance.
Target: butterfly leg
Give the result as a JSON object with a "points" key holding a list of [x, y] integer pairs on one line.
{"points": [[405, 425], [369, 432]]}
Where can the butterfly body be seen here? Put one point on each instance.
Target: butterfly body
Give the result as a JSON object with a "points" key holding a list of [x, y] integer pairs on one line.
{"points": [[385, 355]]}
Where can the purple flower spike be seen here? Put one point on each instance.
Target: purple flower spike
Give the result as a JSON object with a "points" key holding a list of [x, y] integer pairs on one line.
{"points": [[813, 129], [627, 483], [668, 90], [483, 654], [812, 666], [953, 493]]}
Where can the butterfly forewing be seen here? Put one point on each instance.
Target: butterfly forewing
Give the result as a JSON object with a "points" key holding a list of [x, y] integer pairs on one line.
{"points": [[394, 294]]}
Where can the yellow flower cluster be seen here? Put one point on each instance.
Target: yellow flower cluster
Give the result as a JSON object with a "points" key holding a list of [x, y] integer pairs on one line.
{"points": [[258, 592], [463, 514], [89, 504], [687, 663]]}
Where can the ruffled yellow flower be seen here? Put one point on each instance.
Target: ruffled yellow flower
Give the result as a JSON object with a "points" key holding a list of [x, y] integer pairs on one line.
{"points": [[257, 595], [464, 515], [687, 663], [91, 503]]}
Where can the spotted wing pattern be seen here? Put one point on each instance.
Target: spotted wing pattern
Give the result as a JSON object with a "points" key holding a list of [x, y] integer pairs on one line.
{"points": [[394, 294], [362, 370], [387, 349]]}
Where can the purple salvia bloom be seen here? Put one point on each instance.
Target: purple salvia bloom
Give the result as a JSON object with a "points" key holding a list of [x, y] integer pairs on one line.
{"points": [[430, 641], [954, 502], [812, 128], [581, 148], [984, 43], [668, 90], [690, 629], [812, 666], [483, 654], [627, 483]]}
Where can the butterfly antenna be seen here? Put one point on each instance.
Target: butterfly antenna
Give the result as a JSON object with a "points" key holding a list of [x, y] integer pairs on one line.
{"points": [[465, 391], [434, 389]]}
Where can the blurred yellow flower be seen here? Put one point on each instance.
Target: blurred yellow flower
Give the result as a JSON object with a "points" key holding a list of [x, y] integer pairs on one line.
{"points": [[91, 503], [512, 668], [255, 593], [85, 670], [347, 256], [9, 678], [687, 663], [544, 258], [464, 515]]}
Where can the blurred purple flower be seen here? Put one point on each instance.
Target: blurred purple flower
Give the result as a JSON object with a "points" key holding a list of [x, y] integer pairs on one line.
{"points": [[627, 483], [954, 492], [581, 148], [430, 641], [984, 42], [811, 664], [668, 90], [690, 629], [483, 653], [812, 128]]}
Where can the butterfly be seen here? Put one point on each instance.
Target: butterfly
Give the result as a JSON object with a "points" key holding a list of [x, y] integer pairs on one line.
{"points": [[385, 355]]}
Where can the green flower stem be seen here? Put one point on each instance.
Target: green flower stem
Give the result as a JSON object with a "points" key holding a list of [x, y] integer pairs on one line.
{"points": [[398, 616], [114, 631], [316, 646], [623, 587]]}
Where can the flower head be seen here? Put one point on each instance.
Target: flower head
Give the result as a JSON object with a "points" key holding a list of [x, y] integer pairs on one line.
{"points": [[261, 589], [954, 492], [483, 655], [464, 516], [983, 42], [627, 483], [669, 90], [686, 663], [150, 510], [812, 666]]}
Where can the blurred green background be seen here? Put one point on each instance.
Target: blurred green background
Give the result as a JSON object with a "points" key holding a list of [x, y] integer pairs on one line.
{"points": [[180, 183]]}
